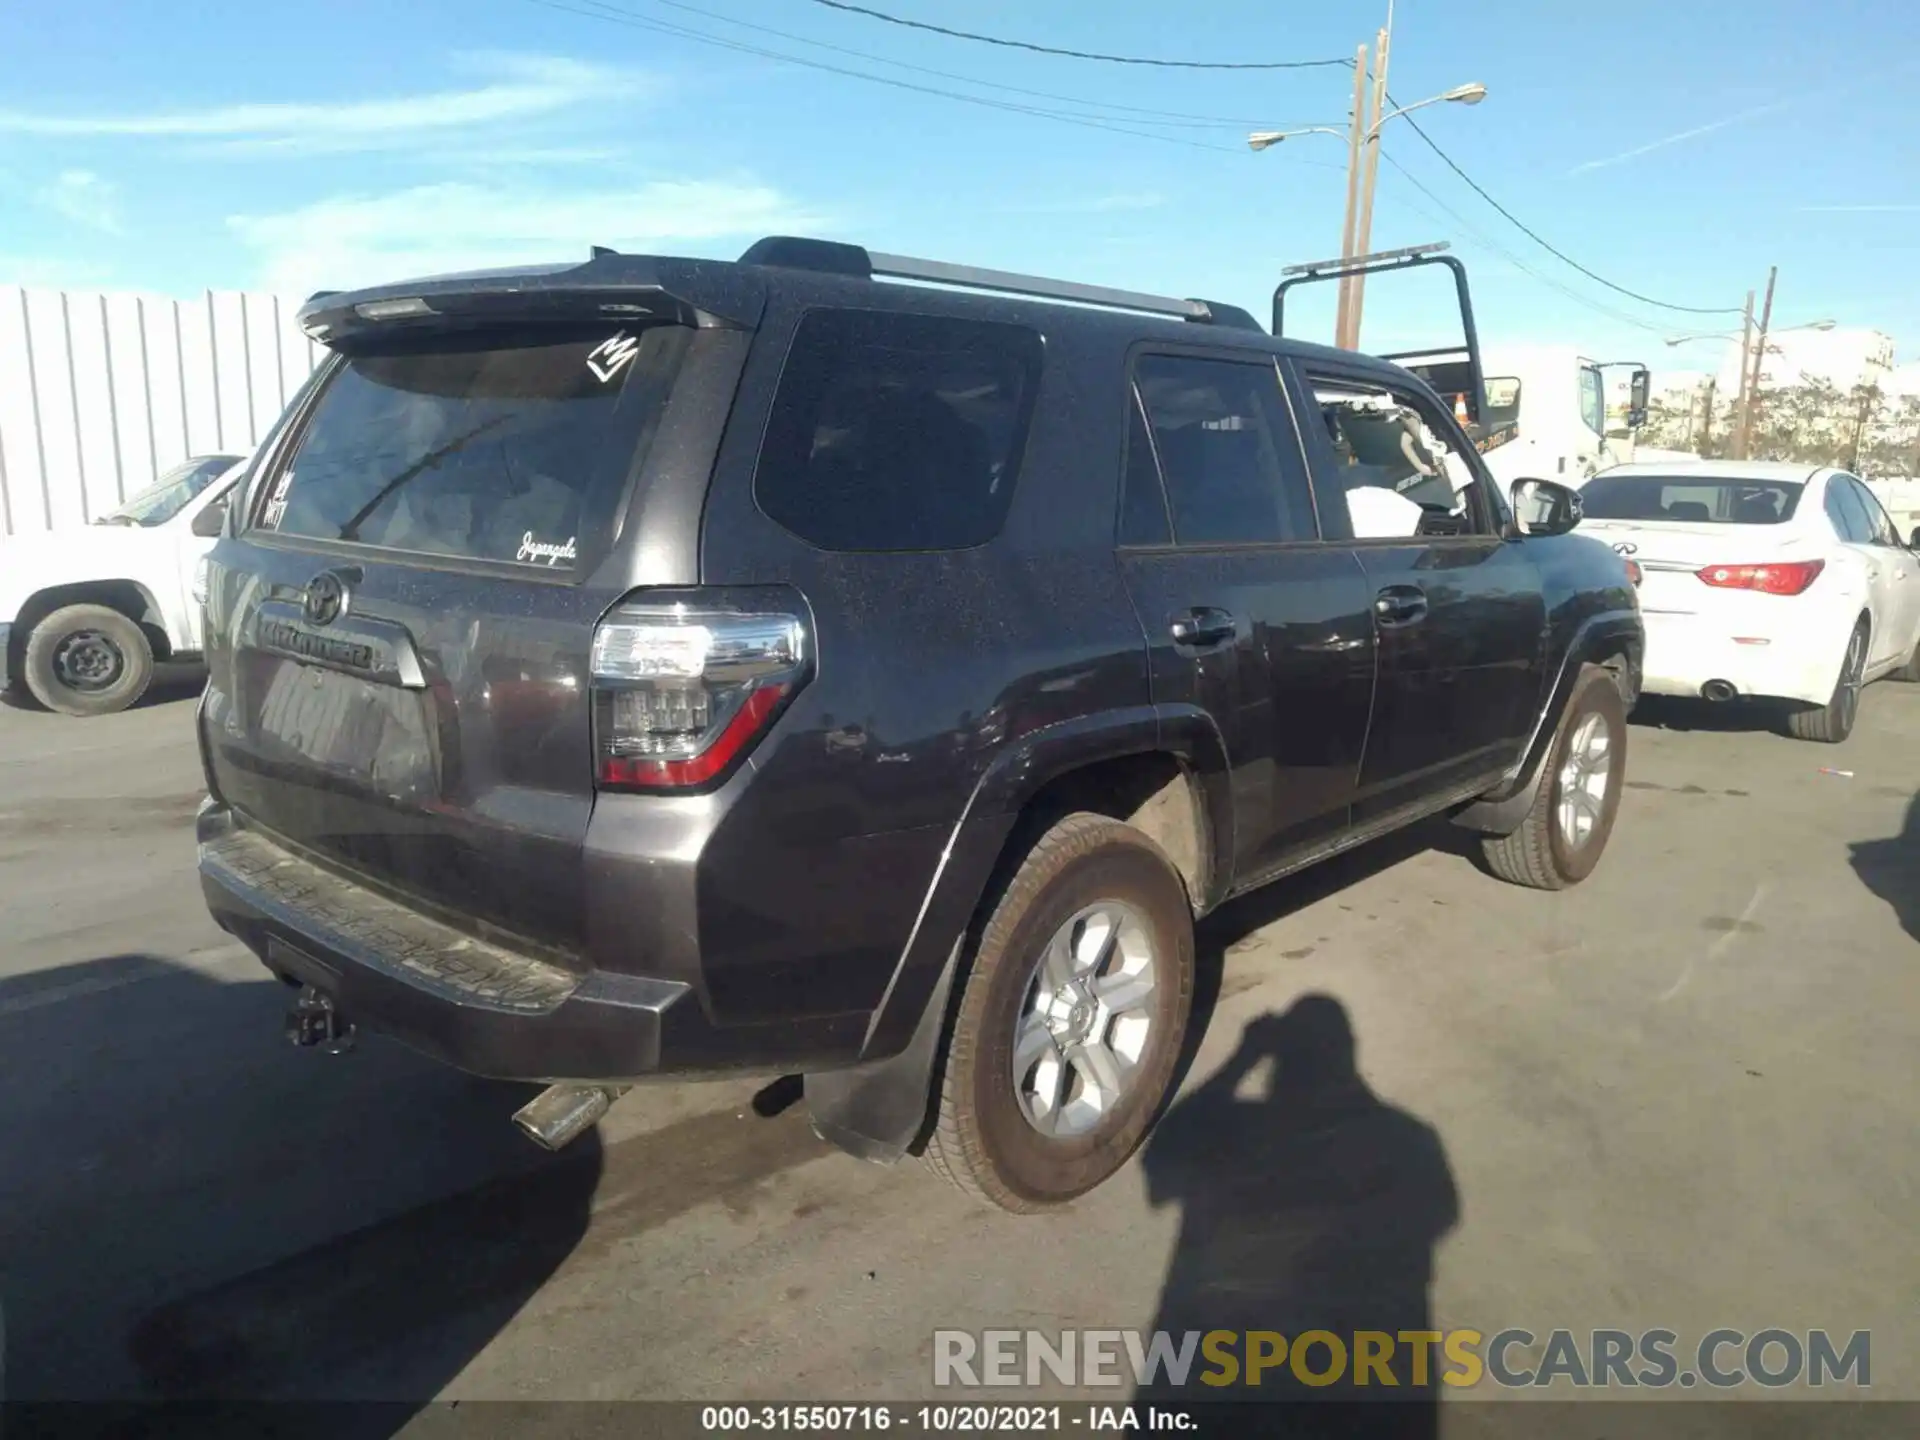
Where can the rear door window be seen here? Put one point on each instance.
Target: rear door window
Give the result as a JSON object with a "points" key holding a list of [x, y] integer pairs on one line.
{"points": [[898, 432], [482, 446], [1227, 451]]}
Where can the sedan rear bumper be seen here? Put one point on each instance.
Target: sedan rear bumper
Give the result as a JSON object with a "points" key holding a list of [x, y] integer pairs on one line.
{"points": [[1687, 652]]}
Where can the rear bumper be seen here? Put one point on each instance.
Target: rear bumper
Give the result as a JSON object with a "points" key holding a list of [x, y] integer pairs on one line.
{"points": [[1684, 652], [472, 1003]]}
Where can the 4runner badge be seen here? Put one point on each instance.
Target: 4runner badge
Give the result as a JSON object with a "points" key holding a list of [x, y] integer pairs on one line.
{"points": [[610, 357]]}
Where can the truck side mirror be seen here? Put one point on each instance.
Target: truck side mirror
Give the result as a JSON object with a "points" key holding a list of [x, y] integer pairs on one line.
{"points": [[211, 520], [1639, 394], [1545, 507]]}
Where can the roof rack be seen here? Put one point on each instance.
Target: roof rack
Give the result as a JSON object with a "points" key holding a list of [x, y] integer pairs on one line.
{"points": [[832, 257]]}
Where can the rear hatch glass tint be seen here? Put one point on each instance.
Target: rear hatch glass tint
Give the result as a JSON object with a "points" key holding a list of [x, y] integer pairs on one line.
{"points": [[508, 446]]}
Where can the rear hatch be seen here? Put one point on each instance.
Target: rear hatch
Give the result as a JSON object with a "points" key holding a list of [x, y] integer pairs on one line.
{"points": [[401, 636]]}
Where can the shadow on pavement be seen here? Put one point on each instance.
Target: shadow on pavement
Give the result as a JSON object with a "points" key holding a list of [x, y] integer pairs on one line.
{"points": [[192, 1211], [1313, 1205], [1726, 717], [1890, 868]]}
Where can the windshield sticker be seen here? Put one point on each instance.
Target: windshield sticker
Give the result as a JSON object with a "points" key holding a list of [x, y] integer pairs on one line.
{"points": [[545, 552], [610, 357]]}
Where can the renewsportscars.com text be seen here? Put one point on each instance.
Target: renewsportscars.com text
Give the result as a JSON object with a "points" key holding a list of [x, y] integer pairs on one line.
{"points": [[1511, 1358]]}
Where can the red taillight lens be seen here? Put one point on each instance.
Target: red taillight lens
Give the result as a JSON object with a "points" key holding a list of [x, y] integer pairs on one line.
{"points": [[681, 693], [1780, 577], [1633, 571]]}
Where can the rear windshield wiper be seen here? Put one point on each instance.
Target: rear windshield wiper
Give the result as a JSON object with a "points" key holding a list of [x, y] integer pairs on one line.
{"points": [[350, 530]]}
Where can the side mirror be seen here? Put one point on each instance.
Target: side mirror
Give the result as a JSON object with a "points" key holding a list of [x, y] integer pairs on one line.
{"points": [[1638, 396], [1545, 507], [211, 520]]}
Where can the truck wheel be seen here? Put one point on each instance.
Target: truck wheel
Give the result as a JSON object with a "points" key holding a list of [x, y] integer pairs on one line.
{"points": [[1068, 1030], [87, 660], [1576, 795], [1833, 722]]}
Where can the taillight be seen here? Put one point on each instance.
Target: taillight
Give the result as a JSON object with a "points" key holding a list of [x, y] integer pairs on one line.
{"points": [[1779, 577], [1633, 571], [681, 693]]}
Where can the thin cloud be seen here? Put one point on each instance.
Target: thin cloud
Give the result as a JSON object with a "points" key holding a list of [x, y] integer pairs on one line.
{"points": [[1681, 136], [83, 198], [352, 240], [522, 87]]}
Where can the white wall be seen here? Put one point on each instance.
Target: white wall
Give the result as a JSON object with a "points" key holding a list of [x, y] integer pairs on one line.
{"points": [[99, 393]]}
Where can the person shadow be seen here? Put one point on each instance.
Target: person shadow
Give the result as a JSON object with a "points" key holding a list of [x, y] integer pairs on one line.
{"points": [[1312, 1206], [1890, 868]]}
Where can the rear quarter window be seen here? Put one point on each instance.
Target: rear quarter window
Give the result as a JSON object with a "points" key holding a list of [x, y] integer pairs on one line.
{"points": [[511, 447], [898, 432]]}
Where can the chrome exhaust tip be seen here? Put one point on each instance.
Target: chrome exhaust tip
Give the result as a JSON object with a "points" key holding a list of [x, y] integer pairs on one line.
{"points": [[561, 1114], [1718, 690]]}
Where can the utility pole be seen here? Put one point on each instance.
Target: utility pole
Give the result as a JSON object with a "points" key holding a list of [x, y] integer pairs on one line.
{"points": [[1706, 420], [1363, 234], [1356, 129], [1759, 359], [1740, 399]]}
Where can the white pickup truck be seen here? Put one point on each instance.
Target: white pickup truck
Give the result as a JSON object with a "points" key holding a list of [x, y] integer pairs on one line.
{"points": [[86, 613]]}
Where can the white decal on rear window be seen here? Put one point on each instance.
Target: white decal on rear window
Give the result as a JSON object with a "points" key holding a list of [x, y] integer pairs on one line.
{"points": [[610, 357], [545, 551], [277, 505]]}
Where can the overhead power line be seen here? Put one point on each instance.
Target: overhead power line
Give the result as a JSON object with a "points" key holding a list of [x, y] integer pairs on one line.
{"points": [[951, 34], [1549, 246], [1486, 241], [598, 10], [1179, 118]]}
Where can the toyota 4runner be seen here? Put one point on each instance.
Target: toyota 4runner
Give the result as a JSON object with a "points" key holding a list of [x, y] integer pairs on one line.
{"points": [[658, 667]]}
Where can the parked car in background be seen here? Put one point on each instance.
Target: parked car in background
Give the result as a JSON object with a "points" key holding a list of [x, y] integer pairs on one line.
{"points": [[86, 613], [1767, 580]]}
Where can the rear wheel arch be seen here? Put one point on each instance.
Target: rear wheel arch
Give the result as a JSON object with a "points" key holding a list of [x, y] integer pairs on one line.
{"points": [[129, 597]]}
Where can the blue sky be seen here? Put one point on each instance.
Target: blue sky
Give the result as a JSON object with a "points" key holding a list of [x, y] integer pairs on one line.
{"points": [[1676, 148]]}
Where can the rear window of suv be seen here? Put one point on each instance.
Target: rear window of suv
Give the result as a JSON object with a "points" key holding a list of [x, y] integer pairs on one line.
{"points": [[484, 446], [898, 432]]}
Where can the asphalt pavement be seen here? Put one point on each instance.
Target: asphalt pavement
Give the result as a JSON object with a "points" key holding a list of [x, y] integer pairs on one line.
{"points": [[1683, 1095]]}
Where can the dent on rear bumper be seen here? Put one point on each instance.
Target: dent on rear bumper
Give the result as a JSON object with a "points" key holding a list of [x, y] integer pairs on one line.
{"points": [[475, 1004]]}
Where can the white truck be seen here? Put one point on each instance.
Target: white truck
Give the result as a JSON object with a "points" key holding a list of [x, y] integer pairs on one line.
{"points": [[86, 613], [1553, 401]]}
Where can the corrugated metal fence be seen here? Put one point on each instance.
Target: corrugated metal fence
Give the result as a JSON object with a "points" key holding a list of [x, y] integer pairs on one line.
{"points": [[100, 393]]}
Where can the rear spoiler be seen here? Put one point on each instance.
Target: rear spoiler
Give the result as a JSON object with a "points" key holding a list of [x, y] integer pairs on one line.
{"points": [[609, 286]]}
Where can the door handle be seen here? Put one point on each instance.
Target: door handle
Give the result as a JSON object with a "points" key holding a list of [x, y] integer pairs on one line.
{"points": [[1202, 625], [1400, 605]]}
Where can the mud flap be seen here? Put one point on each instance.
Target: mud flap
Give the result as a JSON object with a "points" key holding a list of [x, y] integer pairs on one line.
{"points": [[879, 1111]]}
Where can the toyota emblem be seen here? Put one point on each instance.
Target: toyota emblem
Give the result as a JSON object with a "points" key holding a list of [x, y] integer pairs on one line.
{"points": [[326, 599], [1626, 547]]}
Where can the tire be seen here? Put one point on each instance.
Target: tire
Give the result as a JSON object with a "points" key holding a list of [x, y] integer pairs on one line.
{"points": [[1832, 723], [1083, 873], [1542, 854], [87, 660]]}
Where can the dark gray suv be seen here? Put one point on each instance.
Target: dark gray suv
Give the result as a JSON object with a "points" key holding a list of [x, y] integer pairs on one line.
{"points": [[664, 667]]}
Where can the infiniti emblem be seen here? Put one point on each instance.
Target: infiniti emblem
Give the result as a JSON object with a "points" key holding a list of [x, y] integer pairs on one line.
{"points": [[1626, 547], [326, 598]]}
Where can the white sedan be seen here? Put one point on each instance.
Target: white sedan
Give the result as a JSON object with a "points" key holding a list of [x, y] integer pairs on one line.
{"points": [[1771, 580]]}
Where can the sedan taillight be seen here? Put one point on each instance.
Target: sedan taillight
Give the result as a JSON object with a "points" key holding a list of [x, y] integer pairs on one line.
{"points": [[681, 693], [1778, 577]]}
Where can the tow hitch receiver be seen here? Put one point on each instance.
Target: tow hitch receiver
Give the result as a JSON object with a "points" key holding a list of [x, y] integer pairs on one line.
{"points": [[314, 1021]]}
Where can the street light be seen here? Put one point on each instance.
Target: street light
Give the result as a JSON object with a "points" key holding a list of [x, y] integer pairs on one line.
{"points": [[1356, 233], [1469, 94], [1780, 330]]}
